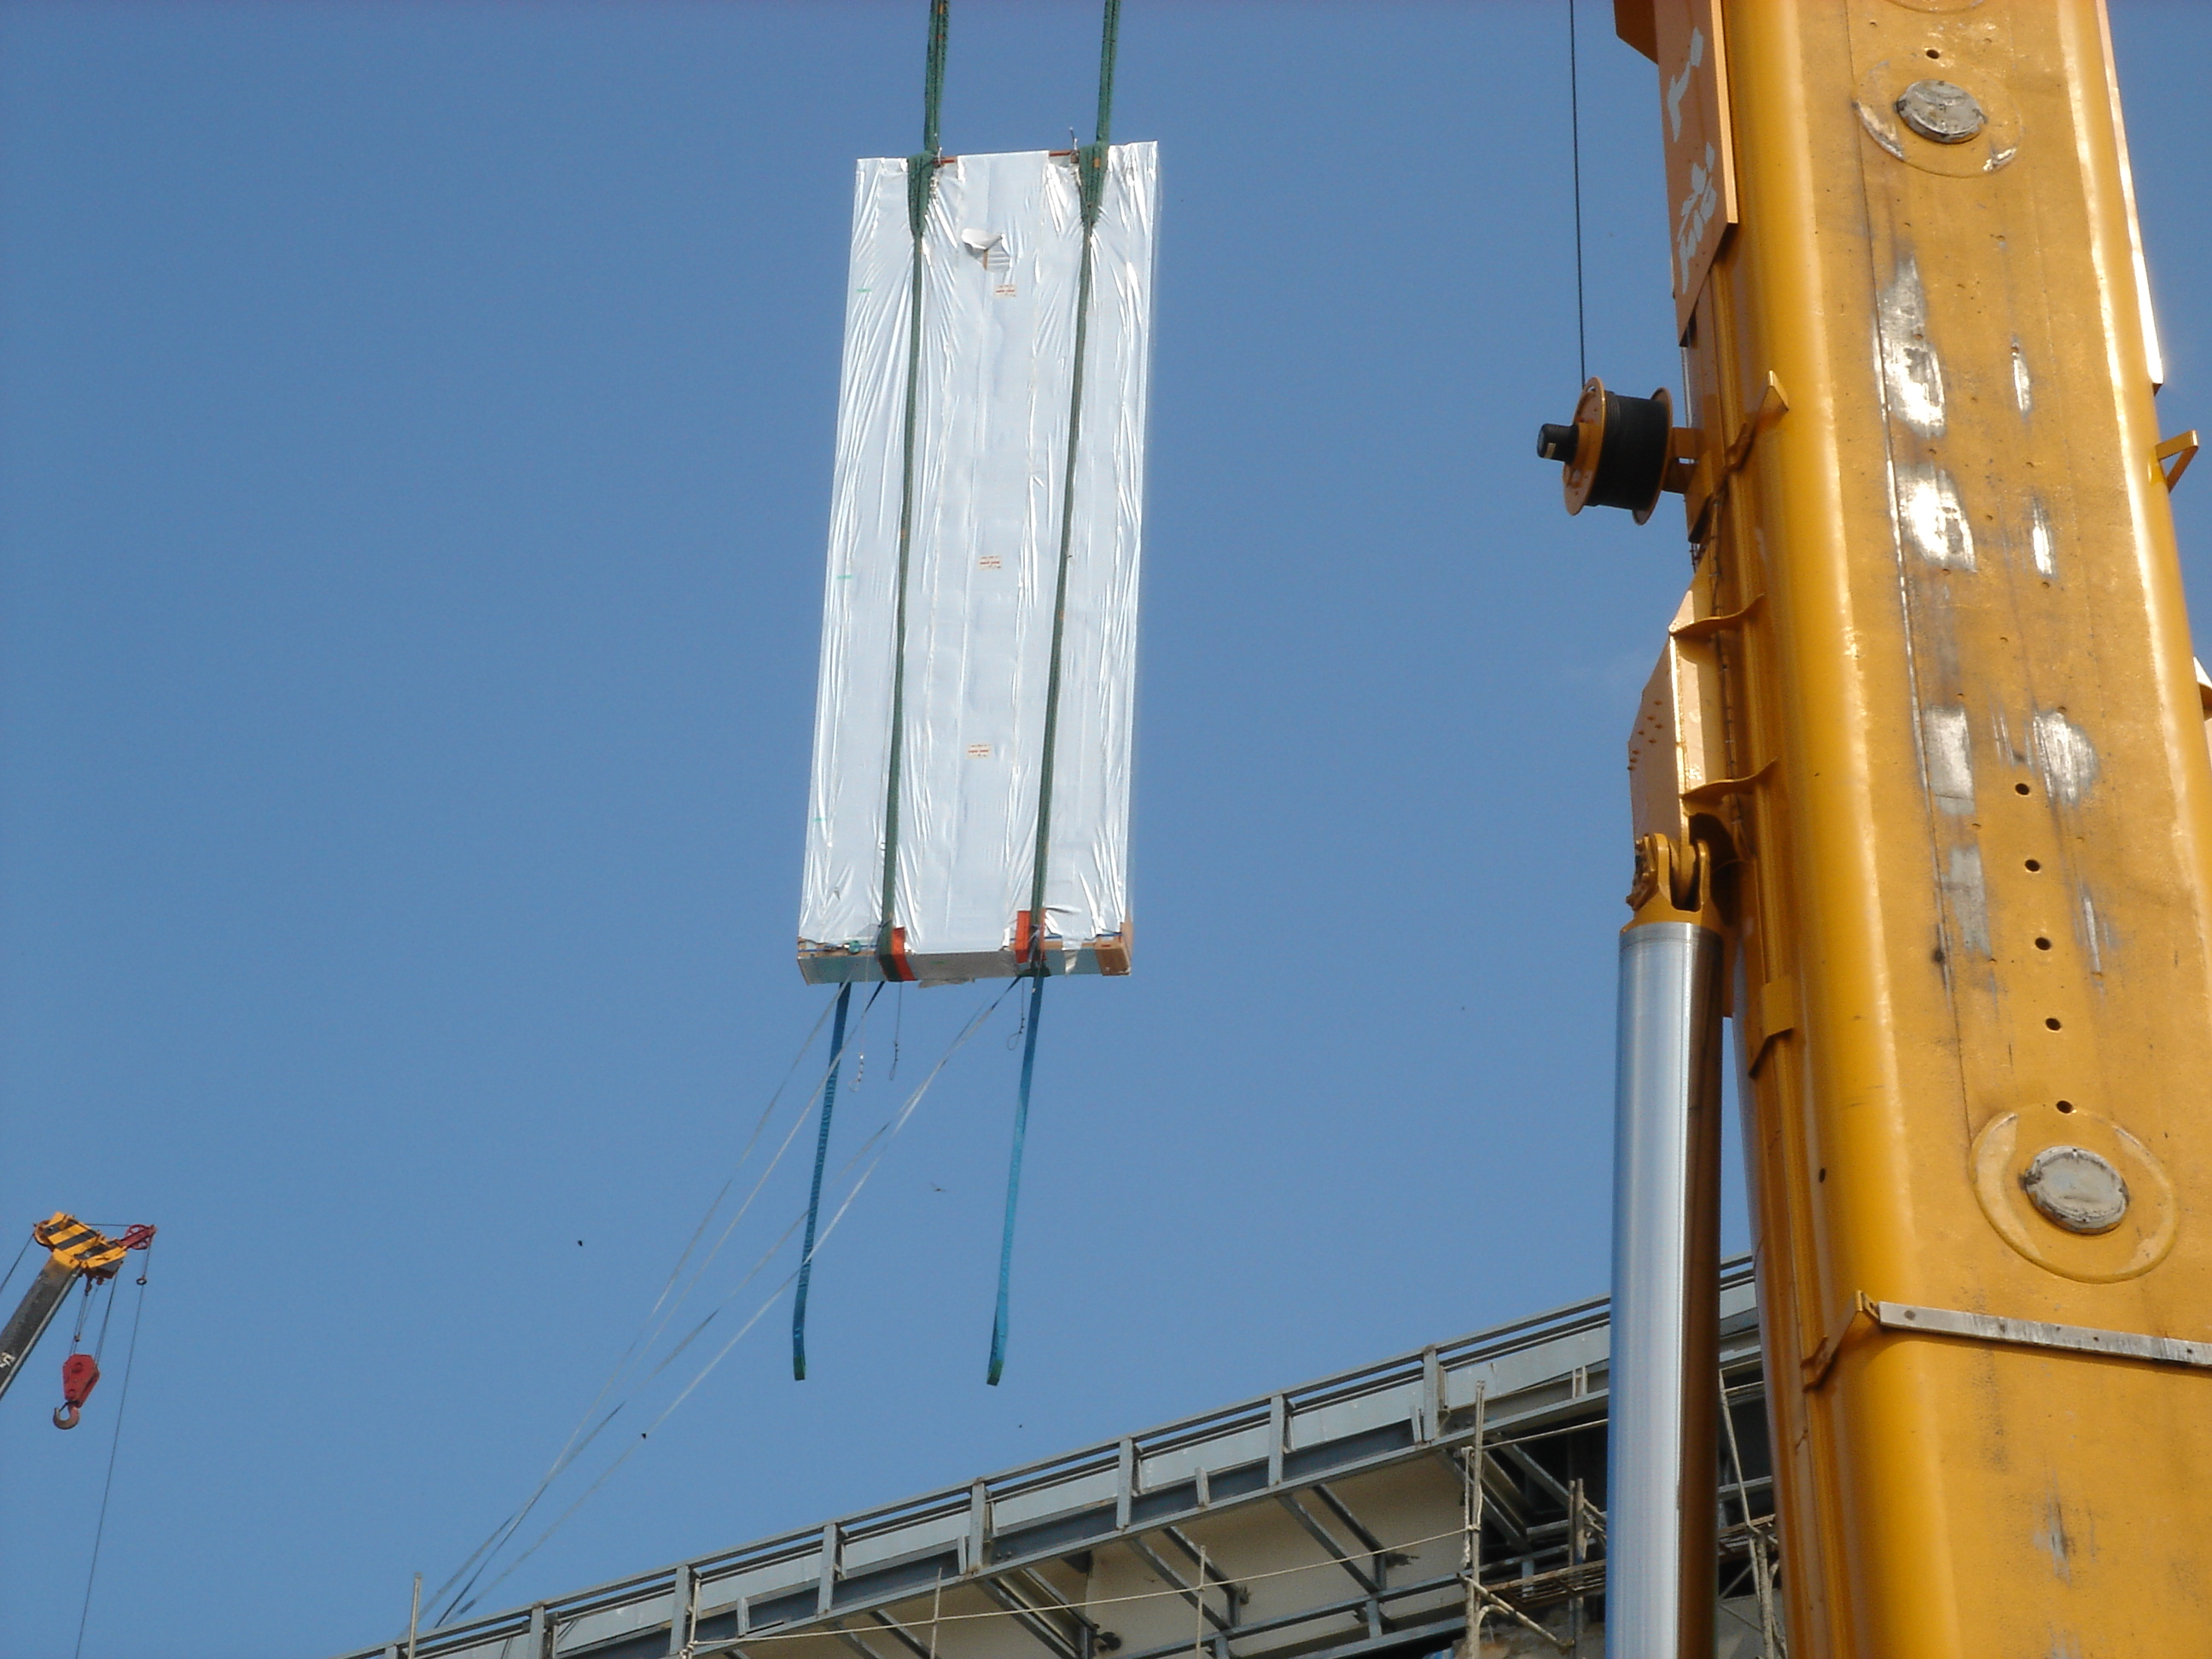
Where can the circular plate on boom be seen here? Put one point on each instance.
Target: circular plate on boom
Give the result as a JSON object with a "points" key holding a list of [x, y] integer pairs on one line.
{"points": [[2129, 1232]]}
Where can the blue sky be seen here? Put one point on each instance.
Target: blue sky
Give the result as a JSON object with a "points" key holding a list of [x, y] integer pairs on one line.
{"points": [[415, 433]]}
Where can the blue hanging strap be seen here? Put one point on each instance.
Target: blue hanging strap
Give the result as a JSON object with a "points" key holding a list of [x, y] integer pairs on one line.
{"points": [[1014, 1181], [814, 1199]]}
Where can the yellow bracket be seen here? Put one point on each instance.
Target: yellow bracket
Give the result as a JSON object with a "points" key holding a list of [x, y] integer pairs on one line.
{"points": [[1708, 794], [1705, 626], [1816, 1365], [1674, 883], [1773, 404], [2180, 450]]}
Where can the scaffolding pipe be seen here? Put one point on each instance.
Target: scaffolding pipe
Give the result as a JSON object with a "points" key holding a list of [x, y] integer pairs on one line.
{"points": [[1661, 1521]]}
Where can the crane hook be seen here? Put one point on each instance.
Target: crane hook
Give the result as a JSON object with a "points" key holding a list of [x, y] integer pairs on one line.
{"points": [[80, 1371]]}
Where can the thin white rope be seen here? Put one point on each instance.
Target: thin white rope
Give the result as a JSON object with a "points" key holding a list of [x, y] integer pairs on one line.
{"points": [[883, 1135], [891, 1126], [580, 1437]]}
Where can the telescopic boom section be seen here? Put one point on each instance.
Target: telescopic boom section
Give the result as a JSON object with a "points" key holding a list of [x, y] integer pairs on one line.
{"points": [[32, 1314], [1930, 705]]}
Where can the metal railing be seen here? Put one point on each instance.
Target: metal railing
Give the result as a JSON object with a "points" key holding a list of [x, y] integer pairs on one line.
{"points": [[1550, 1366]]}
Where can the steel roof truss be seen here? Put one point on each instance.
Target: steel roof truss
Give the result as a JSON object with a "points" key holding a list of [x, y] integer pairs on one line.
{"points": [[1033, 1621], [899, 1634], [1209, 1570], [1168, 1575], [1552, 1486], [852, 1641], [1351, 1608], [1289, 1500], [1359, 1528]]}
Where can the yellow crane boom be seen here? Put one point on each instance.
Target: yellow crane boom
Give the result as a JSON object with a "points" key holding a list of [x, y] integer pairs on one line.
{"points": [[75, 1253], [1929, 713]]}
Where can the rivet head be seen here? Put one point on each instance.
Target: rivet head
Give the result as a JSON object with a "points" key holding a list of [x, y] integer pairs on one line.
{"points": [[1940, 112], [2076, 1189]]}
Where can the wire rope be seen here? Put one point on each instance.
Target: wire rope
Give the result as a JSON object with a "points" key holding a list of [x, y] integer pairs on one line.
{"points": [[1575, 149], [107, 1485], [106, 1318], [83, 1311], [10, 1277]]}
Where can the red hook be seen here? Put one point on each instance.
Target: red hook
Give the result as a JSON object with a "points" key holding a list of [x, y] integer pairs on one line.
{"points": [[80, 1371]]}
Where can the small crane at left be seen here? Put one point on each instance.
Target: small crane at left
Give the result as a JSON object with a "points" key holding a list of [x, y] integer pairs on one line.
{"points": [[77, 1254]]}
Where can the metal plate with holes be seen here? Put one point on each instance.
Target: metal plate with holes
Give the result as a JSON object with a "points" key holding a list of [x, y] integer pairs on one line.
{"points": [[2034, 1333]]}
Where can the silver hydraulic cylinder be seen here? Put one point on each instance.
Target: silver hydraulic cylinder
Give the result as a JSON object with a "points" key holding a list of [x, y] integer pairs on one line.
{"points": [[1661, 1508]]}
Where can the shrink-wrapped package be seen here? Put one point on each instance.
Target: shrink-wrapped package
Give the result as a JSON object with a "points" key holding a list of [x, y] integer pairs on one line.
{"points": [[1001, 255]]}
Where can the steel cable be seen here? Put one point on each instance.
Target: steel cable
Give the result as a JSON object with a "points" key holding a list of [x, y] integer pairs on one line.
{"points": [[1575, 149], [107, 1485]]}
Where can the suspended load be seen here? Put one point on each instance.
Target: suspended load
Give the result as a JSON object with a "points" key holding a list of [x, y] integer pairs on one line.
{"points": [[952, 714]]}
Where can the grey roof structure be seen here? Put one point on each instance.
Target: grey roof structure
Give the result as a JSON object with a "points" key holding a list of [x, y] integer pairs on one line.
{"points": [[1331, 1521]]}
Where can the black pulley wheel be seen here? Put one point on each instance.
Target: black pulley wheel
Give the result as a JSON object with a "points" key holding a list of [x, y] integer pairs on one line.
{"points": [[1621, 455]]}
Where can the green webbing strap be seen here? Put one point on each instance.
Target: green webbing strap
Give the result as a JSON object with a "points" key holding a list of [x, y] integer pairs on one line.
{"points": [[921, 185], [921, 169], [1094, 174], [1090, 165]]}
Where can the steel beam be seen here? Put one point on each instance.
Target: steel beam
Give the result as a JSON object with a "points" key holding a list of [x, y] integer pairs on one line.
{"points": [[1289, 1500], [1196, 1597]]}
